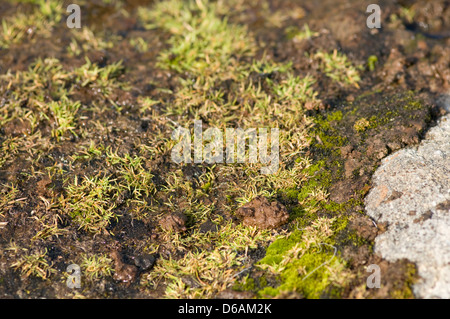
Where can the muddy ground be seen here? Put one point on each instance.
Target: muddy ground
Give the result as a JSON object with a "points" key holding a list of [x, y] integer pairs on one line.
{"points": [[93, 183]]}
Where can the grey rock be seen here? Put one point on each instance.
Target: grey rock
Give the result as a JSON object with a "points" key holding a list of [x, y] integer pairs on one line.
{"points": [[412, 193]]}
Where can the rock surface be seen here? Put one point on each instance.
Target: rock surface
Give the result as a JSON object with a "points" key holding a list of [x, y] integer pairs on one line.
{"points": [[263, 214], [411, 194]]}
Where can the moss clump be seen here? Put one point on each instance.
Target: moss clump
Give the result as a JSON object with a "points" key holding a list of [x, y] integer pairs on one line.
{"points": [[306, 261], [308, 268], [202, 42], [374, 110], [247, 284], [294, 33], [371, 62], [44, 17], [337, 66]]}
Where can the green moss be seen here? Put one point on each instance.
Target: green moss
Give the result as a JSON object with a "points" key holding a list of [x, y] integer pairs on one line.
{"points": [[335, 116], [371, 61], [351, 238], [278, 247], [312, 270], [90, 203], [295, 33], [206, 187], [337, 66], [361, 125], [248, 284], [324, 122], [292, 193], [329, 134], [44, 16], [327, 137], [305, 260]]}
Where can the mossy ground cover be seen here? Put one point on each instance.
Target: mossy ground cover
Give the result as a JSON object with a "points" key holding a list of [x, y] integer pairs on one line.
{"points": [[85, 156]]}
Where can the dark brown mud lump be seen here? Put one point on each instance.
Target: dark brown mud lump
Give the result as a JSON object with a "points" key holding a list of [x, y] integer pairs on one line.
{"points": [[123, 272], [145, 262], [233, 294], [174, 222], [263, 214]]}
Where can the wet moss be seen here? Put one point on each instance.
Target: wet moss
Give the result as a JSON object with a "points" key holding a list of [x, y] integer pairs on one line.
{"points": [[222, 80], [247, 284], [371, 62]]}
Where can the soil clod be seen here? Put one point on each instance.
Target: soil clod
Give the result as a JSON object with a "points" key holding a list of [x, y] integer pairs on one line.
{"points": [[174, 222]]}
